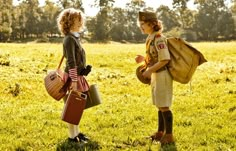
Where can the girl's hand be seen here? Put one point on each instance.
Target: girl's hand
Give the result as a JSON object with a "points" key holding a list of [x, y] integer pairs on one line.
{"points": [[74, 85], [139, 58]]}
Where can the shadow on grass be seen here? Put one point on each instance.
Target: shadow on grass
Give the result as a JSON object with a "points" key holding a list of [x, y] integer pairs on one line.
{"points": [[157, 146], [73, 146], [168, 147]]}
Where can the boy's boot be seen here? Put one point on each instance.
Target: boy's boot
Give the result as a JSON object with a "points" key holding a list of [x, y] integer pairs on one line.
{"points": [[159, 134], [168, 122]]}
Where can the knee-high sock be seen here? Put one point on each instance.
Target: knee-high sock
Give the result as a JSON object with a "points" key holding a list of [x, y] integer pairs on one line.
{"points": [[76, 129], [168, 120], [72, 130], [160, 122]]}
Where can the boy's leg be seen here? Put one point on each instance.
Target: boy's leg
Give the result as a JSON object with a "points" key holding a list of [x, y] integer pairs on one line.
{"points": [[160, 132], [168, 122]]}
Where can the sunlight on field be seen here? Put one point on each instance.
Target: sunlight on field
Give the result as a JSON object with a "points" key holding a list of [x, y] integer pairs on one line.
{"points": [[204, 110]]}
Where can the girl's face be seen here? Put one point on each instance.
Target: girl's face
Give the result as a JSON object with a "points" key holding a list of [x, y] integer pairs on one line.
{"points": [[145, 27]]}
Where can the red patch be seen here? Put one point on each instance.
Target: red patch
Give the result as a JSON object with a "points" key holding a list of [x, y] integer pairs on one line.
{"points": [[161, 46], [157, 36]]}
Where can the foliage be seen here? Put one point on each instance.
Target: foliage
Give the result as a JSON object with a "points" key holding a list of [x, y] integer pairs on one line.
{"points": [[133, 30], [233, 7], [119, 31], [204, 110], [71, 3], [102, 25], [5, 20], [104, 3], [215, 23], [168, 17], [185, 15], [29, 20], [114, 25], [48, 19]]}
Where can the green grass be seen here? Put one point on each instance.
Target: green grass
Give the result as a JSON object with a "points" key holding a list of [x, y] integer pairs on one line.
{"points": [[204, 112]]}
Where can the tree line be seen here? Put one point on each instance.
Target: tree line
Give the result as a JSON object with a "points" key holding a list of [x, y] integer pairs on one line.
{"points": [[211, 21]]}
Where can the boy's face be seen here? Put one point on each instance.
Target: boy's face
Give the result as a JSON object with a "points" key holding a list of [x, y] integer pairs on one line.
{"points": [[145, 27]]}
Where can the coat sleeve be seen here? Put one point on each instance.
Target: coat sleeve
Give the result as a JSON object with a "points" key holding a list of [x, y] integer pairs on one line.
{"points": [[69, 47]]}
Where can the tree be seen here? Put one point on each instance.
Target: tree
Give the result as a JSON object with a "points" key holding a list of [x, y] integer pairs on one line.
{"points": [[102, 24], [16, 23], [104, 3], [19, 21], [132, 9], [168, 17], [225, 25], [233, 8], [32, 14], [119, 26], [71, 3], [185, 15], [213, 20], [5, 19], [48, 21]]}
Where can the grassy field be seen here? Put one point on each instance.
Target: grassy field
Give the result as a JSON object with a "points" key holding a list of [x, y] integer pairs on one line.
{"points": [[204, 112]]}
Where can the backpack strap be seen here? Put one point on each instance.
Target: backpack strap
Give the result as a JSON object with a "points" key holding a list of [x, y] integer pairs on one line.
{"points": [[148, 44], [148, 57]]}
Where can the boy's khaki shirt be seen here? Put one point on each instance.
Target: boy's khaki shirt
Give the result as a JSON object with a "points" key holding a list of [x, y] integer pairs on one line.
{"points": [[157, 49]]}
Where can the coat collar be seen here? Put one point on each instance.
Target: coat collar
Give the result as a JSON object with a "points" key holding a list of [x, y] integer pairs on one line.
{"points": [[75, 34]]}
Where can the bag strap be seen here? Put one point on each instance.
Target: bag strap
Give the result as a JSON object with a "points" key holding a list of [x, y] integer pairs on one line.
{"points": [[148, 43], [60, 62]]}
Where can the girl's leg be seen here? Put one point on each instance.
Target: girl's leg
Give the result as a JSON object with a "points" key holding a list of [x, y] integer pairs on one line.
{"points": [[73, 132]]}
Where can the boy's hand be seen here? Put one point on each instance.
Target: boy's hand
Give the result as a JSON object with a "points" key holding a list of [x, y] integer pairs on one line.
{"points": [[147, 74], [139, 58]]}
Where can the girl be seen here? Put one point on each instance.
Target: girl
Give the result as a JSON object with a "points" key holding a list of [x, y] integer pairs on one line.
{"points": [[70, 22]]}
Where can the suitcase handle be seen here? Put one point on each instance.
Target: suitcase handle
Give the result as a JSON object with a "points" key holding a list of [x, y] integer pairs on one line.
{"points": [[80, 95], [84, 96]]}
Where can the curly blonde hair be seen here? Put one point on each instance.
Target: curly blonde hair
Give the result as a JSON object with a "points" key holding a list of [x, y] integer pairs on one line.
{"points": [[66, 19]]}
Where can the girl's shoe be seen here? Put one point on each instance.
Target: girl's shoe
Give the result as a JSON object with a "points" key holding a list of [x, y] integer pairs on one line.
{"points": [[79, 138], [75, 139], [82, 137]]}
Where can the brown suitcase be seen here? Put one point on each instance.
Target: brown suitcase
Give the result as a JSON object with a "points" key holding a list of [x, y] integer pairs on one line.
{"points": [[74, 107]]}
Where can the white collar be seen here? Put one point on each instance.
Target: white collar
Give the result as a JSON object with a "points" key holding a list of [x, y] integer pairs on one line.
{"points": [[76, 34]]}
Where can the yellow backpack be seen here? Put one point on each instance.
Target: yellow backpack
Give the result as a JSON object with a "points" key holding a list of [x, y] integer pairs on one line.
{"points": [[184, 59]]}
